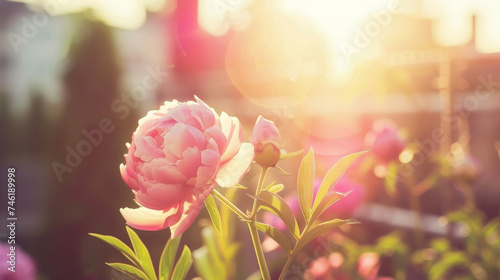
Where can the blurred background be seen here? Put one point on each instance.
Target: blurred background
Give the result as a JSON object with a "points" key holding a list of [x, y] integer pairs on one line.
{"points": [[416, 82]]}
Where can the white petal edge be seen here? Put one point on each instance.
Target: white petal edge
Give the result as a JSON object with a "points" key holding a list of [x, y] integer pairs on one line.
{"points": [[231, 172], [231, 128], [145, 219]]}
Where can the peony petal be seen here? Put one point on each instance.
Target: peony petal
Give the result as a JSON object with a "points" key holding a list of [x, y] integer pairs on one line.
{"points": [[146, 219], [182, 137], [231, 172], [231, 128], [192, 206], [160, 196], [168, 175], [146, 148]]}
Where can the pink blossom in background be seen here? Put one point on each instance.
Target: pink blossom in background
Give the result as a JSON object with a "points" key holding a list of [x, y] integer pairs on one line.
{"points": [[345, 207], [329, 268], [178, 153], [266, 140], [25, 267], [384, 141], [467, 168]]}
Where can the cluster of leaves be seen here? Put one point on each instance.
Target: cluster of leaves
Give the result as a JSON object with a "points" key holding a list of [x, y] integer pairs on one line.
{"points": [[215, 260], [142, 267], [296, 238], [479, 259]]}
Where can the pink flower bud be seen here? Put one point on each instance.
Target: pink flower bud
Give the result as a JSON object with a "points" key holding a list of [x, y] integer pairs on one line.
{"points": [[385, 141], [266, 140]]}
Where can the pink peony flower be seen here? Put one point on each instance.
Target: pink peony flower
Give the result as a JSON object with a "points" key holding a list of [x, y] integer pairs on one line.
{"points": [[385, 141], [24, 266], [267, 140], [178, 153]]}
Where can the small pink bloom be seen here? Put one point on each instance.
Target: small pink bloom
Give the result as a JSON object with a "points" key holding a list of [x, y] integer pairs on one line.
{"points": [[266, 140], [345, 207], [368, 265], [25, 267], [467, 168], [318, 269], [178, 153], [385, 141]]}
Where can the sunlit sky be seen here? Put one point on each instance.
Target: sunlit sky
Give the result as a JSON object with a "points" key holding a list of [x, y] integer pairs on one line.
{"points": [[338, 20]]}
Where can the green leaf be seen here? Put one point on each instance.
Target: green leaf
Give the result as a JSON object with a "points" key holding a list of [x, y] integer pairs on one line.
{"points": [[320, 229], [326, 202], [391, 179], [168, 257], [275, 188], [449, 261], [227, 217], [290, 155], [305, 184], [282, 171], [281, 238], [274, 203], [203, 265], [183, 265], [333, 175], [142, 254], [131, 271], [119, 245], [210, 241], [213, 212]]}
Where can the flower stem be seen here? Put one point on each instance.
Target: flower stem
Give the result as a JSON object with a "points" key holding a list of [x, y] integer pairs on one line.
{"points": [[262, 177], [229, 204], [255, 233], [259, 252], [294, 252]]}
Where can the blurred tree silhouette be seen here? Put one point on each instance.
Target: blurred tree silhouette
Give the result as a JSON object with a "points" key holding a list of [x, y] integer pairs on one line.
{"points": [[92, 83]]}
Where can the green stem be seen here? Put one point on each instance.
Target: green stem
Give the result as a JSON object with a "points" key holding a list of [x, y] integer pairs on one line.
{"points": [[294, 252], [229, 204], [253, 230], [259, 252], [260, 184]]}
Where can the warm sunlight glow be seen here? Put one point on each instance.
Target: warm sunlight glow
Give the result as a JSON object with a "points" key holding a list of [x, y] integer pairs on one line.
{"points": [[127, 14]]}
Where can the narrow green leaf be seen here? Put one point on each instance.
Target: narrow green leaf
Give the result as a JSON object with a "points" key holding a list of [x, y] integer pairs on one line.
{"points": [[142, 254], [449, 261], [283, 240], [320, 229], [203, 265], [210, 241], [119, 245], [390, 179], [239, 186], [131, 271], [282, 171], [183, 265], [333, 175], [213, 212], [168, 257], [326, 202], [227, 218], [291, 154], [305, 184], [275, 203], [275, 188]]}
